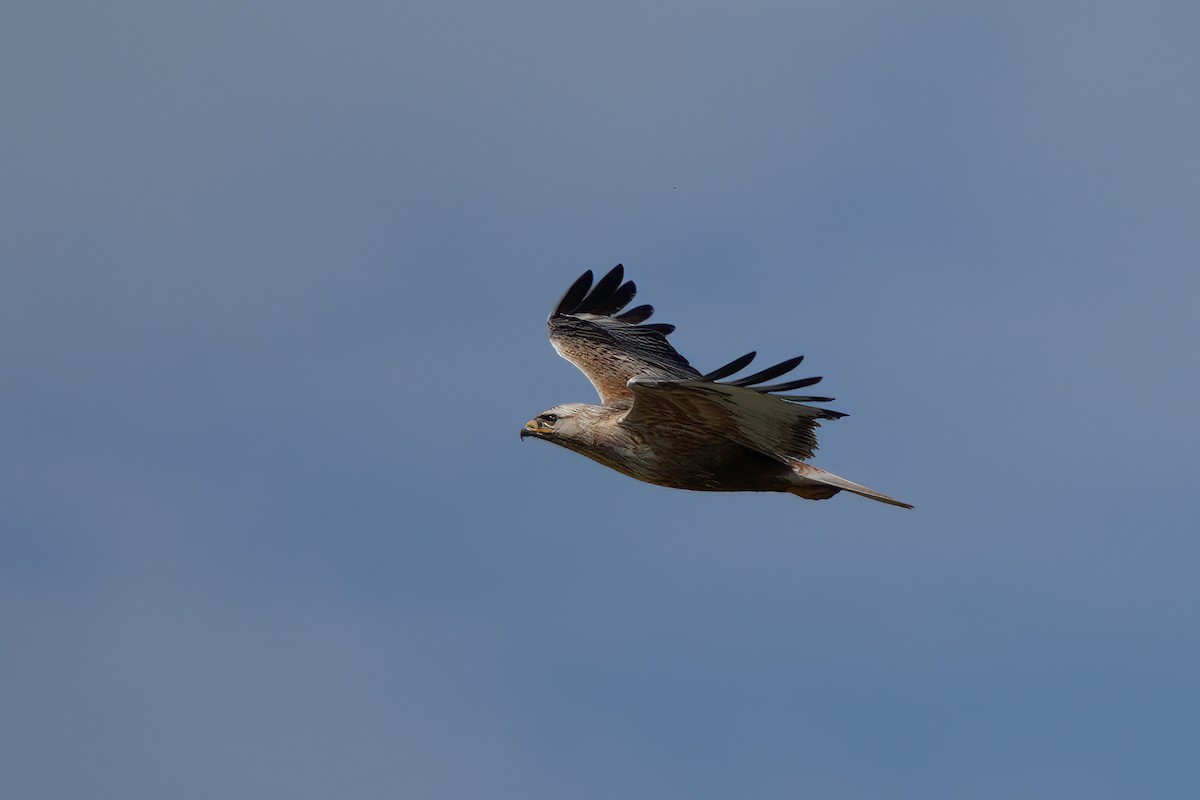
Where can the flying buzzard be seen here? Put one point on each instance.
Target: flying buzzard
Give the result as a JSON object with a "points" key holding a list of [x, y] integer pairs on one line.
{"points": [[662, 422]]}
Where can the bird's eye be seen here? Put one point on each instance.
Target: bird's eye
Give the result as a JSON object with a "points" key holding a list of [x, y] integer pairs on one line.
{"points": [[550, 418]]}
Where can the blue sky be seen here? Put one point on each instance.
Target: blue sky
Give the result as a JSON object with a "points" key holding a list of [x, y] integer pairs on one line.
{"points": [[273, 314]]}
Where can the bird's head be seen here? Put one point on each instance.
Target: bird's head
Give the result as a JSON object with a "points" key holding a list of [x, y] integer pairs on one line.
{"points": [[560, 424]]}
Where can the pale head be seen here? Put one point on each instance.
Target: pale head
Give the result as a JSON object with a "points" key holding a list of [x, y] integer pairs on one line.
{"points": [[566, 422]]}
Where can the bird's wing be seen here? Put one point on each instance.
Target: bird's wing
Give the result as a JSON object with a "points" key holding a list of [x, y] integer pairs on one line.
{"points": [[780, 426], [611, 348]]}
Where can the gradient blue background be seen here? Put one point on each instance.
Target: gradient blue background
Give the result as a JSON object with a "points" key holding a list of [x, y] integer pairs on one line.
{"points": [[274, 284]]}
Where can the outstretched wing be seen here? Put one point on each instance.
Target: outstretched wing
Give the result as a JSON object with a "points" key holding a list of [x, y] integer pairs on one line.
{"points": [[612, 348], [742, 411]]}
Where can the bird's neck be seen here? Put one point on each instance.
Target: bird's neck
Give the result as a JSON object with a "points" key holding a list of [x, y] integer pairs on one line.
{"points": [[605, 440]]}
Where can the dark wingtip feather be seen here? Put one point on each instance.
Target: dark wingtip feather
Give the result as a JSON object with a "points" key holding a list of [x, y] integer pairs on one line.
{"points": [[637, 314], [609, 295], [603, 289], [769, 372], [571, 299], [616, 300], [789, 385], [662, 327], [823, 413], [731, 367]]}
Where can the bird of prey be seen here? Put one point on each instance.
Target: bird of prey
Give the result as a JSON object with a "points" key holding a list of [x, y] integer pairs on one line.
{"points": [[661, 421]]}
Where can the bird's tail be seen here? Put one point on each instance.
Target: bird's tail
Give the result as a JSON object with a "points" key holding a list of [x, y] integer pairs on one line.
{"points": [[817, 484]]}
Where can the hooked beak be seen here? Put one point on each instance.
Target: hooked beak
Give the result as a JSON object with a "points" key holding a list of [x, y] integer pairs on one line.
{"points": [[533, 428]]}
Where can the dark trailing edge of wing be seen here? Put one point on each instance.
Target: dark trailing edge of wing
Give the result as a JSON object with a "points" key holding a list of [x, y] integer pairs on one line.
{"points": [[610, 294]]}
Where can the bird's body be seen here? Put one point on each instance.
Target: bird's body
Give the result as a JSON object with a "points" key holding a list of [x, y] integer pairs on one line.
{"points": [[667, 458], [663, 422]]}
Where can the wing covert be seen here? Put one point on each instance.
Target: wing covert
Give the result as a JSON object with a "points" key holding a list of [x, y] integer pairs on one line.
{"points": [[773, 425]]}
